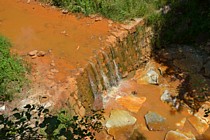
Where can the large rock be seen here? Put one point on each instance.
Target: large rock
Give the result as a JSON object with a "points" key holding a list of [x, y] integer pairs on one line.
{"points": [[166, 97], [131, 103], [152, 77], [176, 135], [155, 122], [119, 118], [200, 125]]}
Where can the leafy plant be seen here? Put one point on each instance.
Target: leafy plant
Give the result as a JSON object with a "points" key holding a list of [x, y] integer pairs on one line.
{"points": [[35, 122]]}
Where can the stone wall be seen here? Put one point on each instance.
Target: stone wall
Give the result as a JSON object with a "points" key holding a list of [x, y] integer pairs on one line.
{"points": [[126, 49]]}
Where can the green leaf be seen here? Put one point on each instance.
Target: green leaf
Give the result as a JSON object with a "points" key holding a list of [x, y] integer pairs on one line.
{"points": [[28, 106], [17, 115], [1, 119], [28, 116]]}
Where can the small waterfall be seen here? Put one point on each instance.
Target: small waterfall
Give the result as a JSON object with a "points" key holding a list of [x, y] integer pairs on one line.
{"points": [[93, 86], [97, 76], [104, 77], [113, 81], [117, 71]]}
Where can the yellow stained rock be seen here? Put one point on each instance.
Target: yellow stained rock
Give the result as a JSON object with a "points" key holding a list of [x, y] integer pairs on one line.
{"points": [[200, 125], [131, 103]]}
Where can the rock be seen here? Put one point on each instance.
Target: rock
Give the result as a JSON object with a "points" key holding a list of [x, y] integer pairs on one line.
{"points": [[33, 57], [54, 70], [47, 104], [207, 69], [176, 135], [166, 97], [44, 99], [204, 112], [200, 125], [98, 19], [152, 77], [120, 118], [3, 108], [41, 53], [52, 63], [82, 111], [33, 53], [72, 101], [154, 121], [181, 123], [125, 74], [65, 11], [110, 22], [131, 103]]}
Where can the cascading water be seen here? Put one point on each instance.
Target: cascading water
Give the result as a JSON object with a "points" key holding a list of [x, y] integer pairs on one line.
{"points": [[117, 71], [113, 80], [99, 85], [93, 86], [104, 77]]}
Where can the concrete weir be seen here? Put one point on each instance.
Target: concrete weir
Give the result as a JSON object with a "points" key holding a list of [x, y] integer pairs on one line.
{"points": [[126, 50]]}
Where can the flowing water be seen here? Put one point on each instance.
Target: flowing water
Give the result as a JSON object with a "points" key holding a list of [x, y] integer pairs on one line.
{"points": [[34, 27]]}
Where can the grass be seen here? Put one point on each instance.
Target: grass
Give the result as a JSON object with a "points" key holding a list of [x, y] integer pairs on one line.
{"points": [[12, 71], [118, 10]]}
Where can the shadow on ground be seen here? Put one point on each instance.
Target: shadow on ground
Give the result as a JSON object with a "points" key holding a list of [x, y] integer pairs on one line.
{"points": [[182, 42]]}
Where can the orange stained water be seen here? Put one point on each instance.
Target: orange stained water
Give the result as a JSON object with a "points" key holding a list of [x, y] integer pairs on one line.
{"points": [[154, 104], [32, 26]]}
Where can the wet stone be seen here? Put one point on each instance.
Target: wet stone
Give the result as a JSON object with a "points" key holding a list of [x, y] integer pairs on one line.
{"points": [[200, 125], [152, 77], [155, 122], [176, 135], [41, 53], [120, 118], [166, 97], [32, 53], [131, 103]]}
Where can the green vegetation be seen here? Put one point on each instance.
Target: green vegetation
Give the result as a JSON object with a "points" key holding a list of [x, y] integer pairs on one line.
{"points": [[35, 122], [12, 71], [118, 10], [187, 22]]}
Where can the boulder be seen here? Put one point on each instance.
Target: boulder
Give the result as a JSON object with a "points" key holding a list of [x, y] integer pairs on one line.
{"points": [[131, 103], [176, 135], [120, 118], [154, 121], [200, 125]]}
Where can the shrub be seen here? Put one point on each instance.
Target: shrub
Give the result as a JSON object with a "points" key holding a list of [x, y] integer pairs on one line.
{"points": [[35, 122]]}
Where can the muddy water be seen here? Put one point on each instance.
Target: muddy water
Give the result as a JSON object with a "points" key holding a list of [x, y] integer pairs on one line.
{"points": [[153, 103], [31, 26], [174, 119]]}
